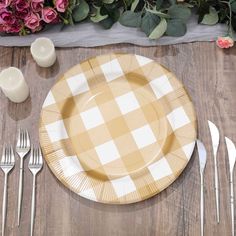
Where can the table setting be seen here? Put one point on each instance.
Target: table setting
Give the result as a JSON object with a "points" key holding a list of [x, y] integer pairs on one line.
{"points": [[118, 139]]}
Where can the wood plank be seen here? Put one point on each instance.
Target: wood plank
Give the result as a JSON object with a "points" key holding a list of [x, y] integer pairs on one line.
{"points": [[209, 76]]}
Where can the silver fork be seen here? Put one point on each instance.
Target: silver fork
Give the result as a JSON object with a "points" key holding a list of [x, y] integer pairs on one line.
{"points": [[35, 165], [22, 148], [7, 164]]}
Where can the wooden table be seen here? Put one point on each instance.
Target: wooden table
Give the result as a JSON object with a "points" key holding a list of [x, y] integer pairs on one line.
{"points": [[209, 76]]}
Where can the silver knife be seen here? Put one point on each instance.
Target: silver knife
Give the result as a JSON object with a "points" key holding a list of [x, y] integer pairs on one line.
{"points": [[202, 163], [215, 138], [232, 157]]}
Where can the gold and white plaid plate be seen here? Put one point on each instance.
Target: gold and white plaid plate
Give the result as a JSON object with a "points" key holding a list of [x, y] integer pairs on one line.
{"points": [[117, 128]]}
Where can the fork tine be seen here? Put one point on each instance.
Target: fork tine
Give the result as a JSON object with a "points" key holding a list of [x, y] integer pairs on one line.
{"points": [[40, 156], [18, 138], [7, 156], [21, 137], [36, 156], [27, 138], [31, 156], [12, 155], [3, 153]]}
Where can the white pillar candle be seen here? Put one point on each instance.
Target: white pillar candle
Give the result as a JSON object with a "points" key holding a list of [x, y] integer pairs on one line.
{"points": [[43, 52], [13, 84]]}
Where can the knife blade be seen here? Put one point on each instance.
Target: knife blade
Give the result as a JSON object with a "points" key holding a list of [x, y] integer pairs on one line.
{"points": [[215, 139], [232, 157], [231, 153], [202, 163]]}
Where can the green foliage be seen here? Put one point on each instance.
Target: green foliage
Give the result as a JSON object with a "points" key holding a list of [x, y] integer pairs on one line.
{"points": [[97, 17], [154, 17], [131, 19], [149, 22], [159, 30], [210, 18], [176, 28], [179, 12], [80, 11], [233, 6]]}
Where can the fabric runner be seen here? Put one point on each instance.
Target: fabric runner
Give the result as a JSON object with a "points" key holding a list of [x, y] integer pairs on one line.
{"points": [[90, 35]]}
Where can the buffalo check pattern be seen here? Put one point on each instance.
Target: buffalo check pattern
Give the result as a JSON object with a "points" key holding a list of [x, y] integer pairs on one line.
{"points": [[117, 128]]}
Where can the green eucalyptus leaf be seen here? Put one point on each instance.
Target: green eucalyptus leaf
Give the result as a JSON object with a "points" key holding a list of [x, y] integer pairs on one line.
{"points": [[149, 22], [130, 19], [107, 23], [108, 1], [114, 14], [211, 18], [81, 11], [179, 12], [159, 30], [98, 17], [172, 2], [176, 28], [233, 6], [158, 4], [161, 14], [134, 5]]}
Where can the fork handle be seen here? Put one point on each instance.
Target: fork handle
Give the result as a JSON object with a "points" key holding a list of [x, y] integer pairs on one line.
{"points": [[32, 207], [4, 205], [20, 189]]}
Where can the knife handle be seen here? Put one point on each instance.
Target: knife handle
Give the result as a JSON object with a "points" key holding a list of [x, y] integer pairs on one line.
{"points": [[217, 192], [232, 202], [202, 206]]}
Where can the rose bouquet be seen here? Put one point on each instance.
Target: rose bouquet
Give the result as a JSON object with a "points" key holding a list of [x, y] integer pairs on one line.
{"points": [[29, 16]]}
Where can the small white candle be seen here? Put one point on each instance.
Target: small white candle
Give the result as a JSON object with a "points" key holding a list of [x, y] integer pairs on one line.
{"points": [[43, 52], [13, 85]]}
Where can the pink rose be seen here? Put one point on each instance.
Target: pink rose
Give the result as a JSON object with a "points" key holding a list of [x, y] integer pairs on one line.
{"points": [[49, 15], [5, 3], [14, 28], [32, 21], [6, 17], [225, 42], [2, 28], [37, 29], [36, 5], [23, 13], [61, 5], [21, 5]]}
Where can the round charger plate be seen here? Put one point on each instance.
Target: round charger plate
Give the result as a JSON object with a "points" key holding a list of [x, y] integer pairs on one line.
{"points": [[117, 128]]}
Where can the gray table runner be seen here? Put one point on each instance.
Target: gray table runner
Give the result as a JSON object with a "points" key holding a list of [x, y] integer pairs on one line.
{"points": [[90, 35]]}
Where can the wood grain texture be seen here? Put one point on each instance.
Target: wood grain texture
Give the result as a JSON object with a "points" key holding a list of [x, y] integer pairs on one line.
{"points": [[209, 76]]}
